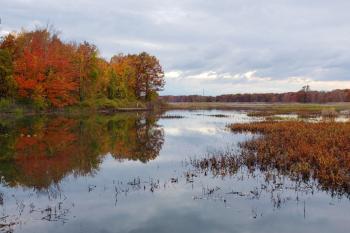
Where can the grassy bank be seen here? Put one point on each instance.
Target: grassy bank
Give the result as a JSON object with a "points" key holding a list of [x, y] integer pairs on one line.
{"points": [[102, 105]]}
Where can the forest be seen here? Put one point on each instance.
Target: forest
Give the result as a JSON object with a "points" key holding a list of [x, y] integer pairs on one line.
{"points": [[41, 71], [305, 95]]}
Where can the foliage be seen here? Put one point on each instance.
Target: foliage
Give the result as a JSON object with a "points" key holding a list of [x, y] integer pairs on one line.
{"points": [[43, 71], [303, 96], [305, 152], [7, 84], [38, 68], [142, 73], [5, 104]]}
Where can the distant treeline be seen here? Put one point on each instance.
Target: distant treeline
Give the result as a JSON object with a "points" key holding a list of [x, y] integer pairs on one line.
{"points": [[38, 69], [303, 96]]}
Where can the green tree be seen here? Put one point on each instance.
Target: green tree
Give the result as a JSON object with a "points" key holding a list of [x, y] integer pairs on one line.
{"points": [[7, 83], [88, 72]]}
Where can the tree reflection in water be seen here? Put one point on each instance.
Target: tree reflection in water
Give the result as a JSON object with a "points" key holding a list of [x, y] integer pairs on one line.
{"points": [[38, 152]]}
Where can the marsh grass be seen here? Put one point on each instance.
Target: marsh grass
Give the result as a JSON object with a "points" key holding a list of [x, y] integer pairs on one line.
{"points": [[309, 150], [301, 150], [303, 111]]}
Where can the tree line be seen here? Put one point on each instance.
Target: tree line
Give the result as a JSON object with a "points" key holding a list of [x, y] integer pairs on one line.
{"points": [[38, 68], [303, 96]]}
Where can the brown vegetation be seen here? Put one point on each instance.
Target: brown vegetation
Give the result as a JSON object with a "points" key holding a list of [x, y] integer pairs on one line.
{"points": [[330, 110], [301, 150], [313, 150]]}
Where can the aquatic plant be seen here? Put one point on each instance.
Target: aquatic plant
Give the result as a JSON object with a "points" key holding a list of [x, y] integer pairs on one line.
{"points": [[171, 117], [317, 153], [320, 151]]}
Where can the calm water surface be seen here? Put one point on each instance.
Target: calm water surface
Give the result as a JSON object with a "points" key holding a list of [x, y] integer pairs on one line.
{"points": [[132, 173]]}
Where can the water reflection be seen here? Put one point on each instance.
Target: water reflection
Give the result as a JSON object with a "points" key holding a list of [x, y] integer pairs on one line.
{"points": [[131, 173], [38, 152]]}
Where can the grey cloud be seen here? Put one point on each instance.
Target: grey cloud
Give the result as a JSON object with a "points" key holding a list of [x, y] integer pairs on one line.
{"points": [[278, 38]]}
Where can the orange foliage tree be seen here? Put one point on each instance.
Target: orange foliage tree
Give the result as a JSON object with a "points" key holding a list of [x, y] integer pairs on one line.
{"points": [[37, 67], [149, 76], [143, 74], [44, 70]]}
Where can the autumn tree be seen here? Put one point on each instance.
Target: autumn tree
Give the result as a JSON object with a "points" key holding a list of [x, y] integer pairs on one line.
{"points": [[304, 95], [149, 76], [44, 70], [38, 68], [123, 76], [112, 89], [7, 83], [347, 96], [140, 76], [86, 59], [102, 82]]}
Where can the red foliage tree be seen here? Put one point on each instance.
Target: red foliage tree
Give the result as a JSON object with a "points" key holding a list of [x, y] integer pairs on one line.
{"points": [[44, 71]]}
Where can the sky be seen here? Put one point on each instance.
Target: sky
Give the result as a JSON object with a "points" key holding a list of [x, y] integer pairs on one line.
{"points": [[209, 46]]}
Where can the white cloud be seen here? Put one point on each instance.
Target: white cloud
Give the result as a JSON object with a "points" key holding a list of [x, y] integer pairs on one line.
{"points": [[173, 74], [205, 75], [212, 75], [247, 82], [299, 80], [251, 76]]}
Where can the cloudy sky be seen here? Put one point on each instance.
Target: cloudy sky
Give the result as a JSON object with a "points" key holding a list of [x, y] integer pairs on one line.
{"points": [[215, 46]]}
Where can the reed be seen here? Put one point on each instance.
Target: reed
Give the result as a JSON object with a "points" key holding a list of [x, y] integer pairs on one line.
{"points": [[320, 151]]}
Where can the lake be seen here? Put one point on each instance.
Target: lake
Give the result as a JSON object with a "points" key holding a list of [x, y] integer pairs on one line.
{"points": [[133, 172]]}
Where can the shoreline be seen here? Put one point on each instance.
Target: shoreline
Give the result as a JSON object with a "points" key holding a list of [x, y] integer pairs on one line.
{"points": [[249, 104], [255, 106], [21, 112], [276, 108]]}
